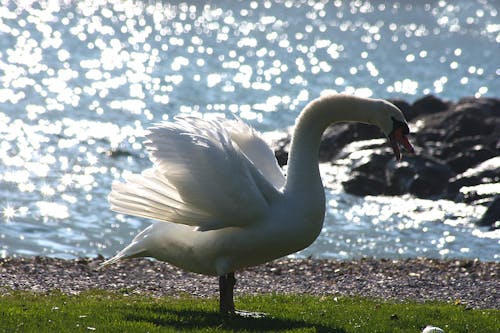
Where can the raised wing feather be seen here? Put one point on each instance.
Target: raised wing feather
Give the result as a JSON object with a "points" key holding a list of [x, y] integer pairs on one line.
{"points": [[208, 172], [257, 151], [150, 195]]}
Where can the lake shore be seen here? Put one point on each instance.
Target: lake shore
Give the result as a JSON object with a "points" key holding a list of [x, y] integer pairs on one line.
{"points": [[470, 283]]}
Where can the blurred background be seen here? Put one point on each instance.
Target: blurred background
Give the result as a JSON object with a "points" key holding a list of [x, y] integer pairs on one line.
{"points": [[80, 81]]}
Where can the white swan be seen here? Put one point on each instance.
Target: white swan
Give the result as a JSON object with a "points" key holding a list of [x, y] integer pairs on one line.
{"points": [[222, 200]]}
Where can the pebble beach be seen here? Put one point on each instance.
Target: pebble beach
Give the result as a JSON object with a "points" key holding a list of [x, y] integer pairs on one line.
{"points": [[469, 283]]}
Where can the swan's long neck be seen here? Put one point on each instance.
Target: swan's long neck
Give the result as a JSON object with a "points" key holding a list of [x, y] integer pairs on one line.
{"points": [[303, 170]]}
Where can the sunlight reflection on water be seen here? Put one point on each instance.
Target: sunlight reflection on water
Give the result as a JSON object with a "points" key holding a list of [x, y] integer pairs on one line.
{"points": [[80, 81]]}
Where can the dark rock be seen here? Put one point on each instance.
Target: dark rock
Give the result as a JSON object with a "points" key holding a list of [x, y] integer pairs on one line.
{"points": [[424, 187], [484, 173], [405, 107], [118, 152], [281, 149], [461, 127], [338, 136], [484, 105], [465, 122], [492, 216], [463, 136], [420, 175], [470, 158], [445, 150], [375, 166], [365, 184], [427, 105], [474, 197], [401, 178], [334, 139]]}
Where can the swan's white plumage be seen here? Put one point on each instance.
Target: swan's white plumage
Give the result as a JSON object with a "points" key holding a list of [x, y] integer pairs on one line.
{"points": [[150, 195], [221, 199], [200, 169], [257, 151]]}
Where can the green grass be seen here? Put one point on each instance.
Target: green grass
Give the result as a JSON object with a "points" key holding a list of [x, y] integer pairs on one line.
{"points": [[100, 311]]}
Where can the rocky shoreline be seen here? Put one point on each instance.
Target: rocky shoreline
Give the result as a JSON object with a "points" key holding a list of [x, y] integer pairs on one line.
{"points": [[468, 283], [457, 154]]}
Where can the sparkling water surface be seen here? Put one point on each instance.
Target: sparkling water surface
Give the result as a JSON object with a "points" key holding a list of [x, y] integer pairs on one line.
{"points": [[79, 79]]}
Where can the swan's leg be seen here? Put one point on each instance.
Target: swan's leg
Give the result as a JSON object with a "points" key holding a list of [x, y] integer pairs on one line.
{"points": [[226, 305], [226, 292]]}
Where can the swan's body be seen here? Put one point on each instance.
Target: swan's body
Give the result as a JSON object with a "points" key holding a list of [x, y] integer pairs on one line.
{"points": [[221, 199]]}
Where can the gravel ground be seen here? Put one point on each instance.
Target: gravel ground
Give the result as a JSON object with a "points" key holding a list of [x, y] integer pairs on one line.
{"points": [[473, 283]]}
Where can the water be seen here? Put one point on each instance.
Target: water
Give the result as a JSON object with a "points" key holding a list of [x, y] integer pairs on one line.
{"points": [[80, 78]]}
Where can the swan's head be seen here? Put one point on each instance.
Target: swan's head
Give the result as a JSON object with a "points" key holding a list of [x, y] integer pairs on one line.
{"points": [[394, 125]]}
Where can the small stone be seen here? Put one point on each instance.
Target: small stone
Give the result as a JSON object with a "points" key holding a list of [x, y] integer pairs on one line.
{"points": [[432, 329]]}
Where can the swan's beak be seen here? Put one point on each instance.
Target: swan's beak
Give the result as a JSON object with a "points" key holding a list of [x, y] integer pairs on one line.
{"points": [[397, 138]]}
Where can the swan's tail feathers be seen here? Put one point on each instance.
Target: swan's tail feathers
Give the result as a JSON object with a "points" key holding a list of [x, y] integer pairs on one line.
{"points": [[136, 249], [112, 260], [126, 253]]}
